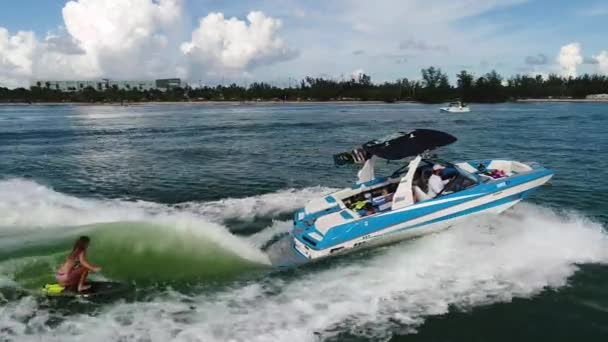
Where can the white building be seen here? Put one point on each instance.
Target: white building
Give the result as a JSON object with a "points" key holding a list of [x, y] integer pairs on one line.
{"points": [[169, 83], [128, 85], [597, 97]]}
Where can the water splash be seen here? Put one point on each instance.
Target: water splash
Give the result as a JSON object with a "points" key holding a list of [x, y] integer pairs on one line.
{"points": [[484, 261], [183, 242]]}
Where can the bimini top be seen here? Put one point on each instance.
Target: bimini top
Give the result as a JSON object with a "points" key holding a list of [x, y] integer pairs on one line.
{"points": [[396, 146]]}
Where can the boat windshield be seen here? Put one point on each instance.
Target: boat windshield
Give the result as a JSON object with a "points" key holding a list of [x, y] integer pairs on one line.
{"points": [[400, 171], [471, 176], [462, 180]]}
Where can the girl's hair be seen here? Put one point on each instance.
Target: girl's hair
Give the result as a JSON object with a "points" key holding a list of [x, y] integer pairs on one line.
{"points": [[80, 246]]}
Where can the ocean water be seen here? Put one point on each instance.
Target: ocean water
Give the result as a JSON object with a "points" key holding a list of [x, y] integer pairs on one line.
{"points": [[181, 200]]}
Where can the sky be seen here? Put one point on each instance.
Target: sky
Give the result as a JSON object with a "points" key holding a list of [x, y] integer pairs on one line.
{"points": [[280, 41]]}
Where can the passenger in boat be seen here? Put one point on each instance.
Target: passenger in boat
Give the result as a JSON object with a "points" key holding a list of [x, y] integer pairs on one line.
{"points": [[436, 183], [387, 196], [497, 174], [369, 209], [359, 203]]}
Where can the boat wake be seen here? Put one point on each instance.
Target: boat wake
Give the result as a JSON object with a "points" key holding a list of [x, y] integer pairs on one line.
{"points": [[478, 263], [141, 241], [376, 294]]}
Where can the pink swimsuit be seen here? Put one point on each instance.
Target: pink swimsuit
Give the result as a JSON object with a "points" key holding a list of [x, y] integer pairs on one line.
{"points": [[73, 275]]}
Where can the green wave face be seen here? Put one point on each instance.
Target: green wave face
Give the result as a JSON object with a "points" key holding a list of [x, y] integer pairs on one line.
{"points": [[144, 252], [138, 252]]}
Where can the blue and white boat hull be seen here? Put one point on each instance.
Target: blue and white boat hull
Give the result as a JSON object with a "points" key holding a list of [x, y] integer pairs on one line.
{"points": [[311, 241]]}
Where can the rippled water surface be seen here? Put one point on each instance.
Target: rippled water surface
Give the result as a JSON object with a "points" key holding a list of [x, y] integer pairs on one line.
{"points": [[180, 201]]}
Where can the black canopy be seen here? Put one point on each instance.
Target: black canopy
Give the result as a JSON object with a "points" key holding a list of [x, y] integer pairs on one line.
{"points": [[396, 146]]}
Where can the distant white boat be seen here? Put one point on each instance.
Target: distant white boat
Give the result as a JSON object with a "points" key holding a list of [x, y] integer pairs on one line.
{"points": [[456, 107]]}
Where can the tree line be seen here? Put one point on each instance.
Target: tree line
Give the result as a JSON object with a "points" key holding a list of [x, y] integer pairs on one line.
{"points": [[433, 87]]}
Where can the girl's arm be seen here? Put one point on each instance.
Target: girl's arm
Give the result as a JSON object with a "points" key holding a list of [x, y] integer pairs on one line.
{"points": [[83, 261]]}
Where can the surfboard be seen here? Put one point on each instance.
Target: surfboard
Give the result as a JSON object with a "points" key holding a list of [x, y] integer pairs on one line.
{"points": [[98, 288]]}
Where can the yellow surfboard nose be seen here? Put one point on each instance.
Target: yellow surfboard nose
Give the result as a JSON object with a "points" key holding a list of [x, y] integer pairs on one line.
{"points": [[53, 288]]}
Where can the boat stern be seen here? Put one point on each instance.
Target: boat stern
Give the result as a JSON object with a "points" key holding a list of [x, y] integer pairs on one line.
{"points": [[299, 246]]}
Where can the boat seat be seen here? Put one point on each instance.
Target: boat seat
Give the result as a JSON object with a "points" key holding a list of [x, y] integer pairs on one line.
{"points": [[420, 195]]}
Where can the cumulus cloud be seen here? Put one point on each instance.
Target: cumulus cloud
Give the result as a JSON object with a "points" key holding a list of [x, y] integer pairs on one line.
{"points": [[63, 44], [127, 39], [23, 57], [602, 61], [590, 60], [233, 45], [16, 51], [111, 38], [539, 59], [570, 58]]}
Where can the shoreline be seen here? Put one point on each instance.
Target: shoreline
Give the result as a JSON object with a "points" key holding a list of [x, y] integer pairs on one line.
{"points": [[270, 102], [143, 103], [562, 100]]}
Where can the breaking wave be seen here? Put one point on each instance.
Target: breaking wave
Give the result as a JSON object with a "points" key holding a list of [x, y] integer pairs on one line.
{"points": [[140, 241], [395, 288]]}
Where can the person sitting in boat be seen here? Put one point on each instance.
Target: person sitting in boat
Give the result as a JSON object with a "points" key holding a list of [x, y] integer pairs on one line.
{"points": [[74, 271], [369, 209], [387, 196], [497, 174], [360, 200], [436, 183]]}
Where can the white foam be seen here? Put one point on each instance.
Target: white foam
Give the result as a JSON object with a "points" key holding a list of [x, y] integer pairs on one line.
{"points": [[26, 205], [15, 317], [479, 262], [261, 238], [248, 208]]}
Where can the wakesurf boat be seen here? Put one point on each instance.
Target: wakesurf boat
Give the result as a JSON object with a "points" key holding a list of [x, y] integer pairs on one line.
{"points": [[379, 210], [456, 107]]}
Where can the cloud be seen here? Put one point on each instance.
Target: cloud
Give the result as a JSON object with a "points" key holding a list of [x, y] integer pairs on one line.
{"points": [[130, 39], [590, 60], [125, 38], [419, 45], [398, 58], [298, 12], [570, 58], [602, 61], [232, 45], [63, 44], [111, 38], [16, 53], [539, 59], [356, 73], [153, 38]]}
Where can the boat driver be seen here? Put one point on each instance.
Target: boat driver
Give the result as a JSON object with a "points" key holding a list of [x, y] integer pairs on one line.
{"points": [[436, 183]]}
